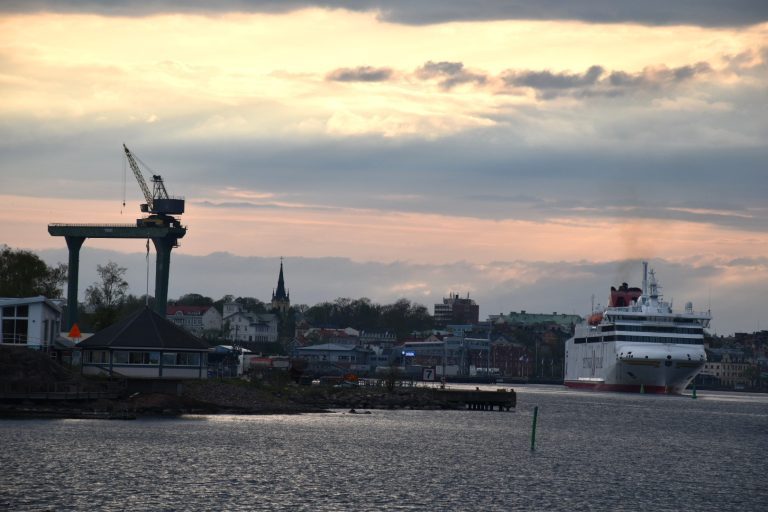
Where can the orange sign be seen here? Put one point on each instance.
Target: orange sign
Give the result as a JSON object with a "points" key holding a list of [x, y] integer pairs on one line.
{"points": [[74, 332]]}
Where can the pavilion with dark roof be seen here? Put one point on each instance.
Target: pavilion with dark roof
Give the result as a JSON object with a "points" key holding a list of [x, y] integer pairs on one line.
{"points": [[144, 345]]}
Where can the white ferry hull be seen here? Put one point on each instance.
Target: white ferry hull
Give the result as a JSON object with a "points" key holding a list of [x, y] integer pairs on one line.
{"points": [[633, 367]]}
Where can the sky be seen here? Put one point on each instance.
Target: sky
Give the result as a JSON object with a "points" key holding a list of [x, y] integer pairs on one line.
{"points": [[528, 153]]}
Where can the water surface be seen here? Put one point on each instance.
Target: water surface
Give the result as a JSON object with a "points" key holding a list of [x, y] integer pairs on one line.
{"points": [[595, 451]]}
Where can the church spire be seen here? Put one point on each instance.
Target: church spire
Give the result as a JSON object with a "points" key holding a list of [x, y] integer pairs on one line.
{"points": [[281, 300], [280, 293]]}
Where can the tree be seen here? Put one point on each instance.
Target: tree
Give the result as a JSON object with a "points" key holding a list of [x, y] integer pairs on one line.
{"points": [[111, 291], [194, 299], [252, 304], [24, 274], [109, 295]]}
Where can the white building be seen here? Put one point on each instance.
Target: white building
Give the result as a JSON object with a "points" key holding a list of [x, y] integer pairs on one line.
{"points": [[33, 322], [195, 319], [243, 326]]}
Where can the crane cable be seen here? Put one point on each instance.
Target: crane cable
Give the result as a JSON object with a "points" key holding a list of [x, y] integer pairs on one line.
{"points": [[147, 294], [124, 171]]}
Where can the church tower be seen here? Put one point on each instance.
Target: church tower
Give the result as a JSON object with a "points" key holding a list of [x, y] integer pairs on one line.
{"points": [[281, 300]]}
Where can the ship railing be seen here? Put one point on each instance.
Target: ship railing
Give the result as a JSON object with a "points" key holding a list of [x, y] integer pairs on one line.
{"points": [[81, 225]]}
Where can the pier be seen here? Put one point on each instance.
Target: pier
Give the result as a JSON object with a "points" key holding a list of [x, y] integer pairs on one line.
{"points": [[480, 400]]}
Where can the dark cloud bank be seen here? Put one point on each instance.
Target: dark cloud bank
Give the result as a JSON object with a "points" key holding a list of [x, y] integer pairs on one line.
{"points": [[713, 13], [564, 287], [595, 81]]}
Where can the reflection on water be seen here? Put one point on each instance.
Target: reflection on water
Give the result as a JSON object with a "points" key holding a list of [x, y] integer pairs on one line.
{"points": [[595, 451]]}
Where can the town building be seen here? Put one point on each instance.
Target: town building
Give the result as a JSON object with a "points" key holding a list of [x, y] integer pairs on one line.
{"points": [[32, 322], [281, 298], [316, 335], [145, 345], [523, 318], [456, 310], [332, 355], [383, 339], [196, 319], [727, 368], [245, 328]]}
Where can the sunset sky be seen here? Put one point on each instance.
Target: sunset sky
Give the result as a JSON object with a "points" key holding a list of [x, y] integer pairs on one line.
{"points": [[528, 153]]}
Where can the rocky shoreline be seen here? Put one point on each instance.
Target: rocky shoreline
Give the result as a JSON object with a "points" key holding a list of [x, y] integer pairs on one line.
{"points": [[237, 397]]}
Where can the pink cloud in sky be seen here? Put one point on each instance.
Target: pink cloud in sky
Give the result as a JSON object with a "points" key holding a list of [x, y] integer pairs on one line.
{"points": [[372, 235]]}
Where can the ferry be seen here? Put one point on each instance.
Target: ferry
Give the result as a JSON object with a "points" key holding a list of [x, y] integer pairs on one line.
{"points": [[637, 343]]}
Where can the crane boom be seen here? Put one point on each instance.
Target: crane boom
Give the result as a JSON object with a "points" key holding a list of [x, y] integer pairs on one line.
{"points": [[140, 179]]}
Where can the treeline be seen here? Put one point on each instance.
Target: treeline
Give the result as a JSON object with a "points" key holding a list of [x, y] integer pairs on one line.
{"points": [[403, 316], [24, 274]]}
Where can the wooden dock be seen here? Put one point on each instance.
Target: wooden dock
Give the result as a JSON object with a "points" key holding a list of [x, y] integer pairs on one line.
{"points": [[478, 400]]}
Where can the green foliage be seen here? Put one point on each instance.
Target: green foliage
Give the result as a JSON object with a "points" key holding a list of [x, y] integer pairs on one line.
{"points": [[107, 296], [110, 293], [24, 274], [252, 305], [403, 317], [219, 304], [193, 299]]}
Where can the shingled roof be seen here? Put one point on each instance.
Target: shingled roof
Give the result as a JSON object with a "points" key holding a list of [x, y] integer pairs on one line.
{"points": [[144, 329]]}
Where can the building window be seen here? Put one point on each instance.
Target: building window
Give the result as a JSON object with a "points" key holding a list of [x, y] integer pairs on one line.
{"points": [[130, 357], [96, 356], [181, 359], [15, 324]]}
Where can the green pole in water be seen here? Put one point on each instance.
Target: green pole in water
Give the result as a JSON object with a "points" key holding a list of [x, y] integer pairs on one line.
{"points": [[533, 428], [694, 391], [642, 388]]}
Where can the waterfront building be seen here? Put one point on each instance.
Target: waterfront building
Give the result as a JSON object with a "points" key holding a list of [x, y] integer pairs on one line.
{"points": [[333, 355], [145, 345], [281, 298], [32, 322], [456, 310], [195, 319], [727, 368]]}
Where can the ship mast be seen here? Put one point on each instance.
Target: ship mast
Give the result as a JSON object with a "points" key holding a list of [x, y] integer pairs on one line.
{"points": [[645, 279]]}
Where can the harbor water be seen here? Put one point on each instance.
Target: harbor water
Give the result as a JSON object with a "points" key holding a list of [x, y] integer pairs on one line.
{"points": [[594, 451]]}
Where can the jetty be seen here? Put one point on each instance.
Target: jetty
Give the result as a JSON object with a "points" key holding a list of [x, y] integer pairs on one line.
{"points": [[502, 399]]}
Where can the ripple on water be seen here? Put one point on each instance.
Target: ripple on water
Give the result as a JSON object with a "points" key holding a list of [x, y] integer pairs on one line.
{"points": [[594, 452]]}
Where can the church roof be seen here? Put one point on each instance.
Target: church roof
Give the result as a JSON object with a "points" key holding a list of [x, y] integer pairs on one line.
{"points": [[144, 329]]}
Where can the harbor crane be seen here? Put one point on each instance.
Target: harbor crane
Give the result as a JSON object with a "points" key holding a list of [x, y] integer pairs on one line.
{"points": [[160, 226], [160, 206]]}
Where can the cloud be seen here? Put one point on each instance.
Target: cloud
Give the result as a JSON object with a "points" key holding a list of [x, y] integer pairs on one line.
{"points": [[710, 13], [654, 77], [448, 74], [549, 80], [595, 82], [360, 74]]}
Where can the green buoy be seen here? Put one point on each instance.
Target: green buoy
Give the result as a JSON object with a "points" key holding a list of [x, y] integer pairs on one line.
{"points": [[533, 427]]}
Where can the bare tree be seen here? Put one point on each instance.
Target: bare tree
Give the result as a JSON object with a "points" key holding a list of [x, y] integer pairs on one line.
{"points": [[110, 293]]}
